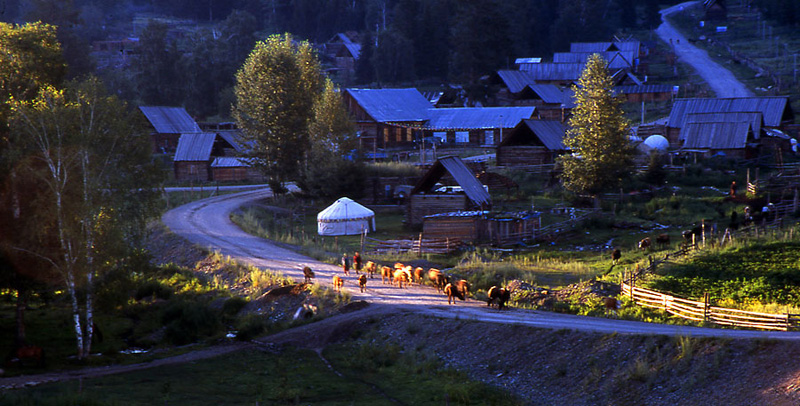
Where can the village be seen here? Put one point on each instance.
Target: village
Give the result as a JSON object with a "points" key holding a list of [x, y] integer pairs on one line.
{"points": [[318, 234]]}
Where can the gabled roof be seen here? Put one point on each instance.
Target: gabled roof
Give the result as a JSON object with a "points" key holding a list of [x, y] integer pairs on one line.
{"points": [[392, 105], [550, 94], [549, 132], [352, 47], [476, 118], [755, 119], [715, 135], [170, 120], [463, 176], [775, 109], [516, 80], [229, 162], [553, 71], [615, 59], [199, 146], [625, 46]]}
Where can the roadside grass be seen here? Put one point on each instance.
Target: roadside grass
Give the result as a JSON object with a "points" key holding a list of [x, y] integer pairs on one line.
{"points": [[288, 376]]}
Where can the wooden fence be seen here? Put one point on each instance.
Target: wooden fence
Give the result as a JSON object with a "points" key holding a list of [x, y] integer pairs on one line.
{"points": [[419, 245], [577, 216], [705, 312]]}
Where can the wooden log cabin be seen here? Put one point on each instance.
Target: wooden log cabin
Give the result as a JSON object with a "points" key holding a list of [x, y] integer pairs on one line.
{"points": [[532, 142]]}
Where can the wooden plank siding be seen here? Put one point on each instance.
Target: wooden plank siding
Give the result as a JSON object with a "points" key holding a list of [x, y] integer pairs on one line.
{"points": [[421, 205], [196, 171], [523, 155]]}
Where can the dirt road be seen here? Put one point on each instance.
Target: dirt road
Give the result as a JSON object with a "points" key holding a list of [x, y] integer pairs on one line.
{"points": [[207, 222], [720, 79]]}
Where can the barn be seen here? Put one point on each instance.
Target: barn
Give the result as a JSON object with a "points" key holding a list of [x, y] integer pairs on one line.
{"points": [[166, 126], [210, 156], [532, 142], [424, 200]]}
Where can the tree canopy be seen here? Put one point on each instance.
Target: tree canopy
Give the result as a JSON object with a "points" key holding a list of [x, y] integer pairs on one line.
{"points": [[602, 155]]}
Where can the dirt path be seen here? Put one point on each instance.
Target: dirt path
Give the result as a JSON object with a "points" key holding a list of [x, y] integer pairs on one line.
{"points": [[720, 79]]}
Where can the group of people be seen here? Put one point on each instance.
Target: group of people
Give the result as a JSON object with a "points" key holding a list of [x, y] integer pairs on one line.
{"points": [[347, 263]]}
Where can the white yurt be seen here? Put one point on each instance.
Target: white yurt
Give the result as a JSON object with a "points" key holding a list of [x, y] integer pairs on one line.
{"points": [[345, 217]]}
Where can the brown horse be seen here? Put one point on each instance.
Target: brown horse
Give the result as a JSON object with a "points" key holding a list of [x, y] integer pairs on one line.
{"points": [[308, 274]]}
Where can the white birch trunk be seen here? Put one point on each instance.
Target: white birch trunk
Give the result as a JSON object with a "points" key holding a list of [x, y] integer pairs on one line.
{"points": [[88, 229]]}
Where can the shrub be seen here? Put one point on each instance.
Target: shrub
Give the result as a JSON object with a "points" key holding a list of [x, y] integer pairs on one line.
{"points": [[187, 322], [233, 306], [153, 289], [250, 326]]}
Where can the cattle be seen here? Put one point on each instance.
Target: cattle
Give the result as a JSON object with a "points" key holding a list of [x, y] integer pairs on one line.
{"points": [[402, 275], [645, 243], [370, 268], [611, 304], [438, 278], [696, 232], [399, 265], [308, 274], [28, 355], [419, 274], [337, 283], [501, 295], [615, 256], [386, 273], [463, 287], [362, 282], [662, 239], [452, 293]]}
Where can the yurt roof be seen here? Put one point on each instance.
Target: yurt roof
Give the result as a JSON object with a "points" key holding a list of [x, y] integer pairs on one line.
{"points": [[345, 209]]}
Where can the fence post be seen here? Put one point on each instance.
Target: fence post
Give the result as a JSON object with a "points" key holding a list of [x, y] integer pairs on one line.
{"points": [[705, 306], [420, 245]]}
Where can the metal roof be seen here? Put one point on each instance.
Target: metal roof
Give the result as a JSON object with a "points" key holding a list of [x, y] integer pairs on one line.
{"points": [[170, 120], [516, 80], [229, 162], [477, 117], [615, 59], [756, 119], [550, 132], [195, 147], [632, 89], [625, 46], [463, 176], [553, 71], [527, 60], [551, 94], [386, 105], [774, 109], [715, 135]]}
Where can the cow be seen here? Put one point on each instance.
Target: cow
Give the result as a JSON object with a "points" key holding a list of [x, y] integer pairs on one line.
{"points": [[28, 355], [611, 304], [308, 274], [662, 240], [362, 282], [645, 243], [402, 275], [438, 278], [452, 293], [463, 287], [386, 273], [696, 232], [501, 295], [615, 256], [370, 268], [419, 275], [337, 283]]}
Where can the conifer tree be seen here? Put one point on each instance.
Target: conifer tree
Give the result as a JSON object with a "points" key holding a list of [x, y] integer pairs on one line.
{"points": [[602, 155]]}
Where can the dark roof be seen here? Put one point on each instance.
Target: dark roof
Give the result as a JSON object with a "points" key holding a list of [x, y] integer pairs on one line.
{"points": [[756, 119], [200, 146], [170, 120], [397, 105], [229, 162], [715, 135], [475, 118], [551, 94], [516, 80], [775, 109], [462, 175], [549, 132], [625, 46], [615, 59], [553, 71]]}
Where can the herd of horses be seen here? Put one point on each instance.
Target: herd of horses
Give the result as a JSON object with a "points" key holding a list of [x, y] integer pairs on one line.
{"points": [[407, 275]]}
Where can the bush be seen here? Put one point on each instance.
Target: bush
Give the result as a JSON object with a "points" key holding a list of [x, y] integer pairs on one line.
{"points": [[232, 306], [153, 289], [250, 327], [187, 322]]}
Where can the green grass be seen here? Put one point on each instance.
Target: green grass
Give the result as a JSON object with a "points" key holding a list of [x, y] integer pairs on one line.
{"points": [[292, 376]]}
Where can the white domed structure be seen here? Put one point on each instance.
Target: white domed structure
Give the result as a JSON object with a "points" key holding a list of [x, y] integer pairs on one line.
{"points": [[657, 142]]}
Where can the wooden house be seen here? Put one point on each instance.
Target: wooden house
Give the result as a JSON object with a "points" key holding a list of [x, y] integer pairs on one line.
{"points": [[532, 142], [645, 93], [343, 50], [482, 227], [631, 45], [520, 89], [199, 157], [167, 124], [731, 139], [776, 112], [615, 59], [561, 74], [386, 117], [474, 126], [425, 200]]}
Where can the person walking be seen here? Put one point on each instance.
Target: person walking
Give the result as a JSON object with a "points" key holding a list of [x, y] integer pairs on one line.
{"points": [[357, 262], [345, 264]]}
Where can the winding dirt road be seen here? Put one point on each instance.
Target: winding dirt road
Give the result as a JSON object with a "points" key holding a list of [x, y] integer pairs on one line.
{"points": [[720, 79], [207, 223]]}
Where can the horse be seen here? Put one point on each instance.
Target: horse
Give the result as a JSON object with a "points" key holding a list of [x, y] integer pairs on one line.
{"points": [[308, 274], [362, 282], [502, 295], [645, 243], [615, 256], [452, 293], [337, 283]]}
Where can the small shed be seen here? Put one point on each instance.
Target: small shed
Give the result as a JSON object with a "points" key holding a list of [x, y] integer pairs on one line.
{"points": [[482, 226], [532, 142], [345, 217], [195, 153], [424, 200]]}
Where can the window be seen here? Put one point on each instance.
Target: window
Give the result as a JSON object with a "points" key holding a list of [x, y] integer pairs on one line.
{"points": [[398, 134], [462, 137], [489, 137], [441, 135]]}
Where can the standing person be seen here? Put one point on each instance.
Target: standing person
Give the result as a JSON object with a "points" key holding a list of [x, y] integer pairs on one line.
{"points": [[357, 262], [345, 264], [733, 189]]}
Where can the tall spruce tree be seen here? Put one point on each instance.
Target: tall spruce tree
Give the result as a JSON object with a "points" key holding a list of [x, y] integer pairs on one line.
{"points": [[602, 155]]}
